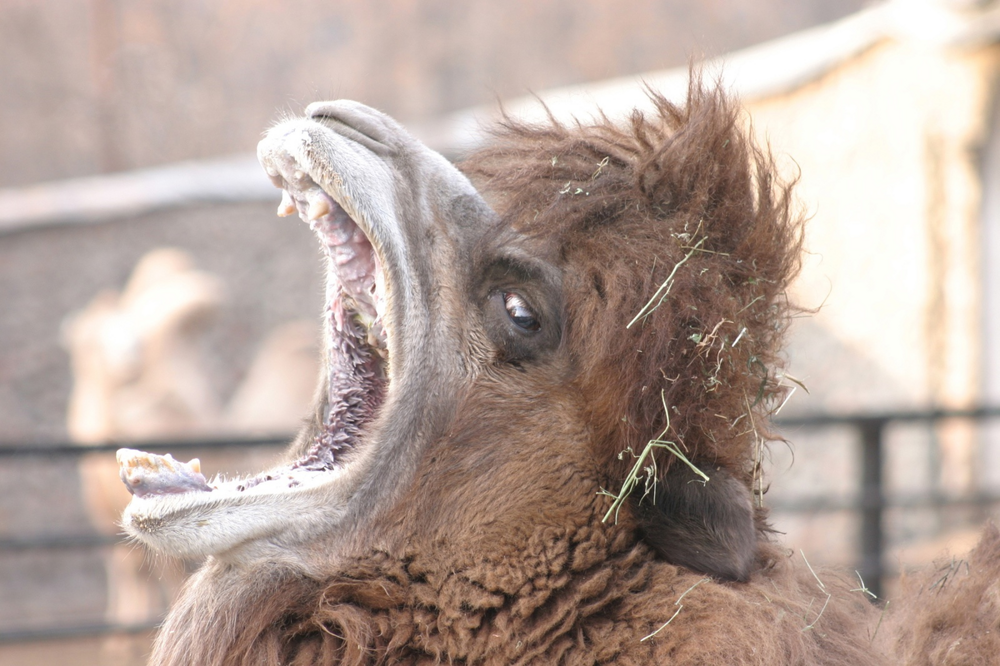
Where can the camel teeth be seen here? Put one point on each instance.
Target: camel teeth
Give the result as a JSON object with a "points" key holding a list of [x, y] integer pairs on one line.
{"points": [[318, 207], [195, 465], [287, 206]]}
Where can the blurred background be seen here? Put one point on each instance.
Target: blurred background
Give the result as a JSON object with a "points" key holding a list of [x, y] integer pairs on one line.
{"points": [[149, 293]]}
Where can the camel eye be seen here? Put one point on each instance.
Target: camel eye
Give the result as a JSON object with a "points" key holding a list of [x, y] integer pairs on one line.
{"points": [[519, 312]]}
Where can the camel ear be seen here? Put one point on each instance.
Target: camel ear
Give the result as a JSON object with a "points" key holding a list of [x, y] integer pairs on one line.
{"points": [[706, 526]]}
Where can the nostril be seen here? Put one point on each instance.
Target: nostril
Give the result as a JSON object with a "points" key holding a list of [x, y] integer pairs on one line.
{"points": [[357, 123]]}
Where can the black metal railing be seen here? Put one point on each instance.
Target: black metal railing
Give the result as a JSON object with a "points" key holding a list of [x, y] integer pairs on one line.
{"points": [[71, 450], [870, 502], [68, 450]]}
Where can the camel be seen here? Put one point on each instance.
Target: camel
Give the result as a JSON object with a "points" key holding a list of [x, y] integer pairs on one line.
{"points": [[137, 368], [139, 372], [538, 437]]}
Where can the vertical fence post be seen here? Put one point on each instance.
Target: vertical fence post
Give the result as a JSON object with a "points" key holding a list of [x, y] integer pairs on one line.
{"points": [[872, 503]]}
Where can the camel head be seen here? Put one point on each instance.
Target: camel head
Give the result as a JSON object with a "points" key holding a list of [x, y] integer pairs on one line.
{"points": [[538, 434], [495, 370]]}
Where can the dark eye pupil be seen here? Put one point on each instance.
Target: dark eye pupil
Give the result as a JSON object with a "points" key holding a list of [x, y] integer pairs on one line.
{"points": [[519, 312]]}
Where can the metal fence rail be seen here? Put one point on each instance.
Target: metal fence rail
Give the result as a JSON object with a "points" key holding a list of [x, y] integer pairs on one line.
{"points": [[92, 539], [70, 450], [60, 632], [871, 502]]}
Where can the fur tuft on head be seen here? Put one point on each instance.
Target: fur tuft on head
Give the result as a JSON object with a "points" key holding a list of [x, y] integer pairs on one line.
{"points": [[686, 240]]}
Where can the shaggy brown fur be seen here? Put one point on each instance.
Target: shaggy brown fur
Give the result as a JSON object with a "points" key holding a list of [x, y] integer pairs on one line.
{"points": [[485, 544], [949, 614], [626, 205]]}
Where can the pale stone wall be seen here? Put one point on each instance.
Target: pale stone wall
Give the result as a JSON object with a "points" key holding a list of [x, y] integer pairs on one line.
{"points": [[887, 145]]}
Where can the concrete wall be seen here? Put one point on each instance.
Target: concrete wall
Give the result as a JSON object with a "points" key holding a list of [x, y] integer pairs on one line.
{"points": [[92, 86], [888, 148]]}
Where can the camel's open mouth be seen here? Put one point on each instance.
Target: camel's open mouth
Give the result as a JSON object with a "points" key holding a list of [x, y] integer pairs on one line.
{"points": [[357, 353]]}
